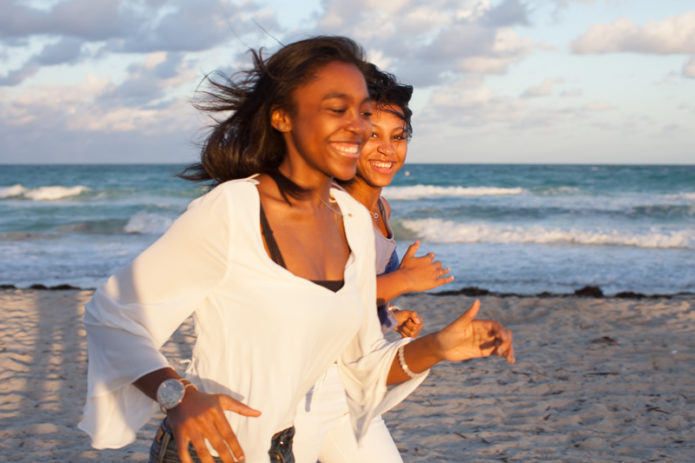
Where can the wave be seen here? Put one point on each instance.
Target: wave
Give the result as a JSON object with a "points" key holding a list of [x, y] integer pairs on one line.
{"points": [[146, 223], [12, 191], [441, 231], [44, 193], [682, 196], [428, 191], [560, 191]]}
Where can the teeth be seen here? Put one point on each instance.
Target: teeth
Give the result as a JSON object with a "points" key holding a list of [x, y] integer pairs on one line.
{"points": [[382, 164], [347, 148]]}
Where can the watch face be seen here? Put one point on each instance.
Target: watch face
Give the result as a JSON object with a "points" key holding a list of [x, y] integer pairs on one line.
{"points": [[170, 393]]}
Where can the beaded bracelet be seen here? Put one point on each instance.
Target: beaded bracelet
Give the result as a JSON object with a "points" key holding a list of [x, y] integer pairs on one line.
{"points": [[404, 366]]}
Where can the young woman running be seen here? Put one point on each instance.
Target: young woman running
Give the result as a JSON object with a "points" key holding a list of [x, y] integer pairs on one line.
{"points": [[323, 416]]}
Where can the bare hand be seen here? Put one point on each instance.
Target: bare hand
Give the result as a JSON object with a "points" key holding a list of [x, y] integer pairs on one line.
{"points": [[466, 338], [422, 273], [409, 323], [200, 416]]}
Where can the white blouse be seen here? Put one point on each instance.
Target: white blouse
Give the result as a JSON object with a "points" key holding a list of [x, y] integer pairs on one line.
{"points": [[264, 335]]}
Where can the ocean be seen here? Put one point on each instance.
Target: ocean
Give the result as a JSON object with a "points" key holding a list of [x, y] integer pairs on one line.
{"points": [[522, 229]]}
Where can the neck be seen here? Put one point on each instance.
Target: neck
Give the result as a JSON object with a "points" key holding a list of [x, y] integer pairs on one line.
{"points": [[316, 185], [366, 194]]}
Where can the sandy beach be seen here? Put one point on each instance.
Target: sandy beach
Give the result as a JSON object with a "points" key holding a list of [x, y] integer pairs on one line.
{"points": [[596, 379]]}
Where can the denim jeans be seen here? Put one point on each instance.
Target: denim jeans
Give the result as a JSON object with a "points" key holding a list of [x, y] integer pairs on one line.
{"points": [[164, 450]]}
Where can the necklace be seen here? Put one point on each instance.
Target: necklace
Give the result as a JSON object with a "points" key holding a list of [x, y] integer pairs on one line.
{"points": [[375, 212]]}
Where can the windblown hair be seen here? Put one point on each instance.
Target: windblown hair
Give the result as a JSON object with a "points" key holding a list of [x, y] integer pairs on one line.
{"points": [[384, 90], [245, 142]]}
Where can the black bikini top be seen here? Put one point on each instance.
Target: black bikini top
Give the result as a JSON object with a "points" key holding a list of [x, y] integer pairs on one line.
{"points": [[276, 255]]}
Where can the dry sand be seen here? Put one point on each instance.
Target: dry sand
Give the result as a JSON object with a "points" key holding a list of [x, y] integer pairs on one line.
{"points": [[596, 380]]}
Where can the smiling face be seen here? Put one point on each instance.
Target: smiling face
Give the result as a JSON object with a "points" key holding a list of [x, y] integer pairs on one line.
{"points": [[385, 151], [328, 125]]}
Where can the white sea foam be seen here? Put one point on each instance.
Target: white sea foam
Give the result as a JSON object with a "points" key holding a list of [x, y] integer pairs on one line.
{"points": [[562, 190], [146, 223], [12, 191], [442, 231], [52, 193], [688, 197], [428, 191]]}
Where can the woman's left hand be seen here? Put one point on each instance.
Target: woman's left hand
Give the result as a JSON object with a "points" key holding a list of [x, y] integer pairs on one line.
{"points": [[466, 338], [409, 323]]}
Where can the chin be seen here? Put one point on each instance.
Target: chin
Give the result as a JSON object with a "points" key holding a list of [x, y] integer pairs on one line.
{"points": [[345, 174]]}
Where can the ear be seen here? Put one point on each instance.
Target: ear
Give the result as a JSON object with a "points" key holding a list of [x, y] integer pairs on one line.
{"points": [[280, 120]]}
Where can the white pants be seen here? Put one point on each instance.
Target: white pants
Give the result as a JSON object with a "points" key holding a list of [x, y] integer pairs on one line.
{"points": [[323, 429]]}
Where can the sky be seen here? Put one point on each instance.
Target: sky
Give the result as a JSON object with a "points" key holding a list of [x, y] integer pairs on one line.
{"points": [[496, 81]]}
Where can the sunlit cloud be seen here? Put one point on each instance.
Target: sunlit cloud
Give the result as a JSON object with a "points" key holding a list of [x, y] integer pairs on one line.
{"points": [[675, 35]]}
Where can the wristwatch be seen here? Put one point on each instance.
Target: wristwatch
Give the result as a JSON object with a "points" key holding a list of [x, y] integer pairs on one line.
{"points": [[171, 391]]}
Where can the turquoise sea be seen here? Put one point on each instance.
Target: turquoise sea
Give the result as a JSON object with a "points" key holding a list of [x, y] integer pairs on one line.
{"points": [[506, 228]]}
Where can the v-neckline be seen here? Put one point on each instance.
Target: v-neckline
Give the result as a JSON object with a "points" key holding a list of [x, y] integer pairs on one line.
{"points": [[271, 261]]}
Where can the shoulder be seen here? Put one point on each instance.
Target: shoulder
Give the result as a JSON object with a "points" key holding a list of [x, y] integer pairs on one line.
{"points": [[234, 190], [230, 202]]}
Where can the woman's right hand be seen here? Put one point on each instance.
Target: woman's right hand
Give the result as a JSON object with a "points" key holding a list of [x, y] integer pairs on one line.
{"points": [[422, 273], [200, 416]]}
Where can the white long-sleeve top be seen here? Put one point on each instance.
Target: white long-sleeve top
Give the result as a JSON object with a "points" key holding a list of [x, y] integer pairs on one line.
{"points": [[264, 335]]}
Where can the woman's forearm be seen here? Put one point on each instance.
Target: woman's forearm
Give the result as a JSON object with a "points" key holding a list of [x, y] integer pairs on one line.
{"points": [[149, 382], [419, 355], [463, 339], [390, 285]]}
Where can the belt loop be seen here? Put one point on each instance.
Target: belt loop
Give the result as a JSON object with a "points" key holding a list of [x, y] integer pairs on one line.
{"points": [[166, 438]]}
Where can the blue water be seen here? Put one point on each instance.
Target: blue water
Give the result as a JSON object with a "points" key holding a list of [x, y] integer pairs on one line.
{"points": [[508, 228]]}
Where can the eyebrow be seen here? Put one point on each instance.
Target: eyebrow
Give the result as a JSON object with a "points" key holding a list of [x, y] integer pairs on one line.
{"points": [[344, 96]]}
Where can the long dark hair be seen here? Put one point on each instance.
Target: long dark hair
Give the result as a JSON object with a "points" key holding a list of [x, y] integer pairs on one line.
{"points": [[245, 143]]}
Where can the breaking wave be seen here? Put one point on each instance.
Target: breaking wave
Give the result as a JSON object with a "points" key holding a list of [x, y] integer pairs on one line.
{"points": [[146, 223], [442, 231], [427, 191], [44, 193]]}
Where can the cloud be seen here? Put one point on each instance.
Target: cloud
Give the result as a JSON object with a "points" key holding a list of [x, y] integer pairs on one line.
{"points": [[428, 43], [151, 82], [545, 88], [114, 27], [85, 19], [598, 107], [67, 49], [469, 104], [193, 26], [508, 13], [689, 68], [78, 121], [137, 26], [674, 35], [560, 5], [17, 76]]}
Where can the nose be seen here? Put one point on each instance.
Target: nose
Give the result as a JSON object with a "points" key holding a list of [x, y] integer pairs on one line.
{"points": [[361, 125], [386, 147]]}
